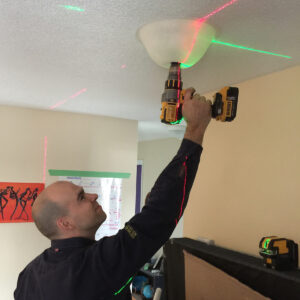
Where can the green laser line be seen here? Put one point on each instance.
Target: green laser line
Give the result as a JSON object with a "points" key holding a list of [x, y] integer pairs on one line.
{"points": [[72, 7], [75, 173], [120, 290], [185, 65], [249, 49], [267, 241], [177, 122]]}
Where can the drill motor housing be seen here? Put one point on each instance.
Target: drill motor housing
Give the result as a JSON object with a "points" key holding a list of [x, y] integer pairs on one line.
{"points": [[172, 97], [224, 107]]}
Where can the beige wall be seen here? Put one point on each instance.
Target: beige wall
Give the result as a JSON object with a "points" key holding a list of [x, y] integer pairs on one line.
{"points": [[248, 183], [75, 142], [156, 155]]}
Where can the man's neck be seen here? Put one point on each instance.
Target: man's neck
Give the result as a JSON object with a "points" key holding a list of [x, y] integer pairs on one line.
{"points": [[70, 235]]}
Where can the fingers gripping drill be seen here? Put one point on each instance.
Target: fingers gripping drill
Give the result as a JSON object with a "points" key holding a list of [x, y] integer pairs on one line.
{"points": [[223, 109]]}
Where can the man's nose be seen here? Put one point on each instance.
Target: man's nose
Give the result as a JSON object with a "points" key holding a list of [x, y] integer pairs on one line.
{"points": [[93, 197]]}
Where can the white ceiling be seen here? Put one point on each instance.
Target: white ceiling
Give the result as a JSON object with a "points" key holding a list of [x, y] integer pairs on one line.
{"points": [[49, 53]]}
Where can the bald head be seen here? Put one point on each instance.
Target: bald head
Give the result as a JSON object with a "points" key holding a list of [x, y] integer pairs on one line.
{"points": [[50, 205]]}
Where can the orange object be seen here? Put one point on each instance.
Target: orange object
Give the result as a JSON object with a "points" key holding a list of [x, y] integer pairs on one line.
{"points": [[16, 200]]}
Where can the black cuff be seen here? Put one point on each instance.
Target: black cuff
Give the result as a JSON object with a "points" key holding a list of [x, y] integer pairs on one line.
{"points": [[188, 147]]}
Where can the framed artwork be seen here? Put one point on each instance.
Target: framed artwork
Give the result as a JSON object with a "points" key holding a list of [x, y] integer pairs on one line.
{"points": [[16, 200]]}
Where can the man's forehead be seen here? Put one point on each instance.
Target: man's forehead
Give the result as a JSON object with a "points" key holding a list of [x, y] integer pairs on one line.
{"points": [[64, 188]]}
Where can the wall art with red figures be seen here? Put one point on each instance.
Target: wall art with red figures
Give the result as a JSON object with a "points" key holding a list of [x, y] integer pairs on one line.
{"points": [[16, 200]]}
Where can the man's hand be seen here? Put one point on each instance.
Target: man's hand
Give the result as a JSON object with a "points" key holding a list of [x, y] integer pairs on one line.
{"points": [[196, 111]]}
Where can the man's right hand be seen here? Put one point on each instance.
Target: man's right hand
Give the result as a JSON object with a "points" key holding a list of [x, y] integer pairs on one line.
{"points": [[196, 111]]}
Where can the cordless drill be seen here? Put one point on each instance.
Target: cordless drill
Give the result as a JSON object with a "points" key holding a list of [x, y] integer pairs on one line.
{"points": [[223, 109]]}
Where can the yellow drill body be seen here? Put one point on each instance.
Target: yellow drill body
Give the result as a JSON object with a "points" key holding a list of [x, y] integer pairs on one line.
{"points": [[224, 107]]}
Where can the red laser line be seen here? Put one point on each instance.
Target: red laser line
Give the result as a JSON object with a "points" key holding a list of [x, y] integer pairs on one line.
{"points": [[178, 91], [45, 159], [183, 187], [219, 9], [65, 100], [181, 208], [199, 22]]}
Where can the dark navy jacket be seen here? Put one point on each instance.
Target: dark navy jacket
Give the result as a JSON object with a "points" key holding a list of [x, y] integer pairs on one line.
{"points": [[82, 269]]}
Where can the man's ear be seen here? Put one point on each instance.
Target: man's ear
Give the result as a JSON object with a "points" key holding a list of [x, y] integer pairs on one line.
{"points": [[64, 224]]}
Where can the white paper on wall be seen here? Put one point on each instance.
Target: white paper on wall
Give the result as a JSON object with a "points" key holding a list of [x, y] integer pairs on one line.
{"points": [[109, 197]]}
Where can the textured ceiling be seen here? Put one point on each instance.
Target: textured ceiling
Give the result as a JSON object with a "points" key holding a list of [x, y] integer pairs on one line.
{"points": [[49, 53]]}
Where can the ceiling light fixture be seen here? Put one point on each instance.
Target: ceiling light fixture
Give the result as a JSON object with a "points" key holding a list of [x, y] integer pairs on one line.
{"points": [[249, 49], [166, 41], [169, 41]]}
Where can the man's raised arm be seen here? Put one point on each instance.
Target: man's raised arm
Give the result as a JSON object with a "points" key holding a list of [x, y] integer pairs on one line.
{"points": [[147, 231]]}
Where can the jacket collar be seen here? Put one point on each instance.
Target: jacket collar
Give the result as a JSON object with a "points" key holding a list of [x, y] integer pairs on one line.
{"points": [[74, 242]]}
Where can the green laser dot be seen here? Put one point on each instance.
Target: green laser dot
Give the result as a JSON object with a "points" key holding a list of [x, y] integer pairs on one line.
{"points": [[72, 7]]}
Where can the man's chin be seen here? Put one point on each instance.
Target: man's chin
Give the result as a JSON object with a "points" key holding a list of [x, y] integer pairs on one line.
{"points": [[104, 216], [102, 219]]}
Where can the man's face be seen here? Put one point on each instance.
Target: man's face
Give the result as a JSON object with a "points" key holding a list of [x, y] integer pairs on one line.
{"points": [[84, 209]]}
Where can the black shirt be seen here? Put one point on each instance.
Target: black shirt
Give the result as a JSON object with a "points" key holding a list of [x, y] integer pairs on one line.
{"points": [[83, 269]]}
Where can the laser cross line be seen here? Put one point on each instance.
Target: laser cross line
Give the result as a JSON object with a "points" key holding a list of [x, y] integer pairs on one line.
{"points": [[198, 23], [249, 49]]}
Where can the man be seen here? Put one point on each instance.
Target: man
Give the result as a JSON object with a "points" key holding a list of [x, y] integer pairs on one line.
{"points": [[78, 267]]}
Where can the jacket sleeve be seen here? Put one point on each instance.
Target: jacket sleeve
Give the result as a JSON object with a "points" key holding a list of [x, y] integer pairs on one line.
{"points": [[121, 255]]}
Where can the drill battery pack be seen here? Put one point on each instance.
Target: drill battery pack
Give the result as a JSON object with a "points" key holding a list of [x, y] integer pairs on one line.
{"points": [[279, 253], [225, 104]]}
